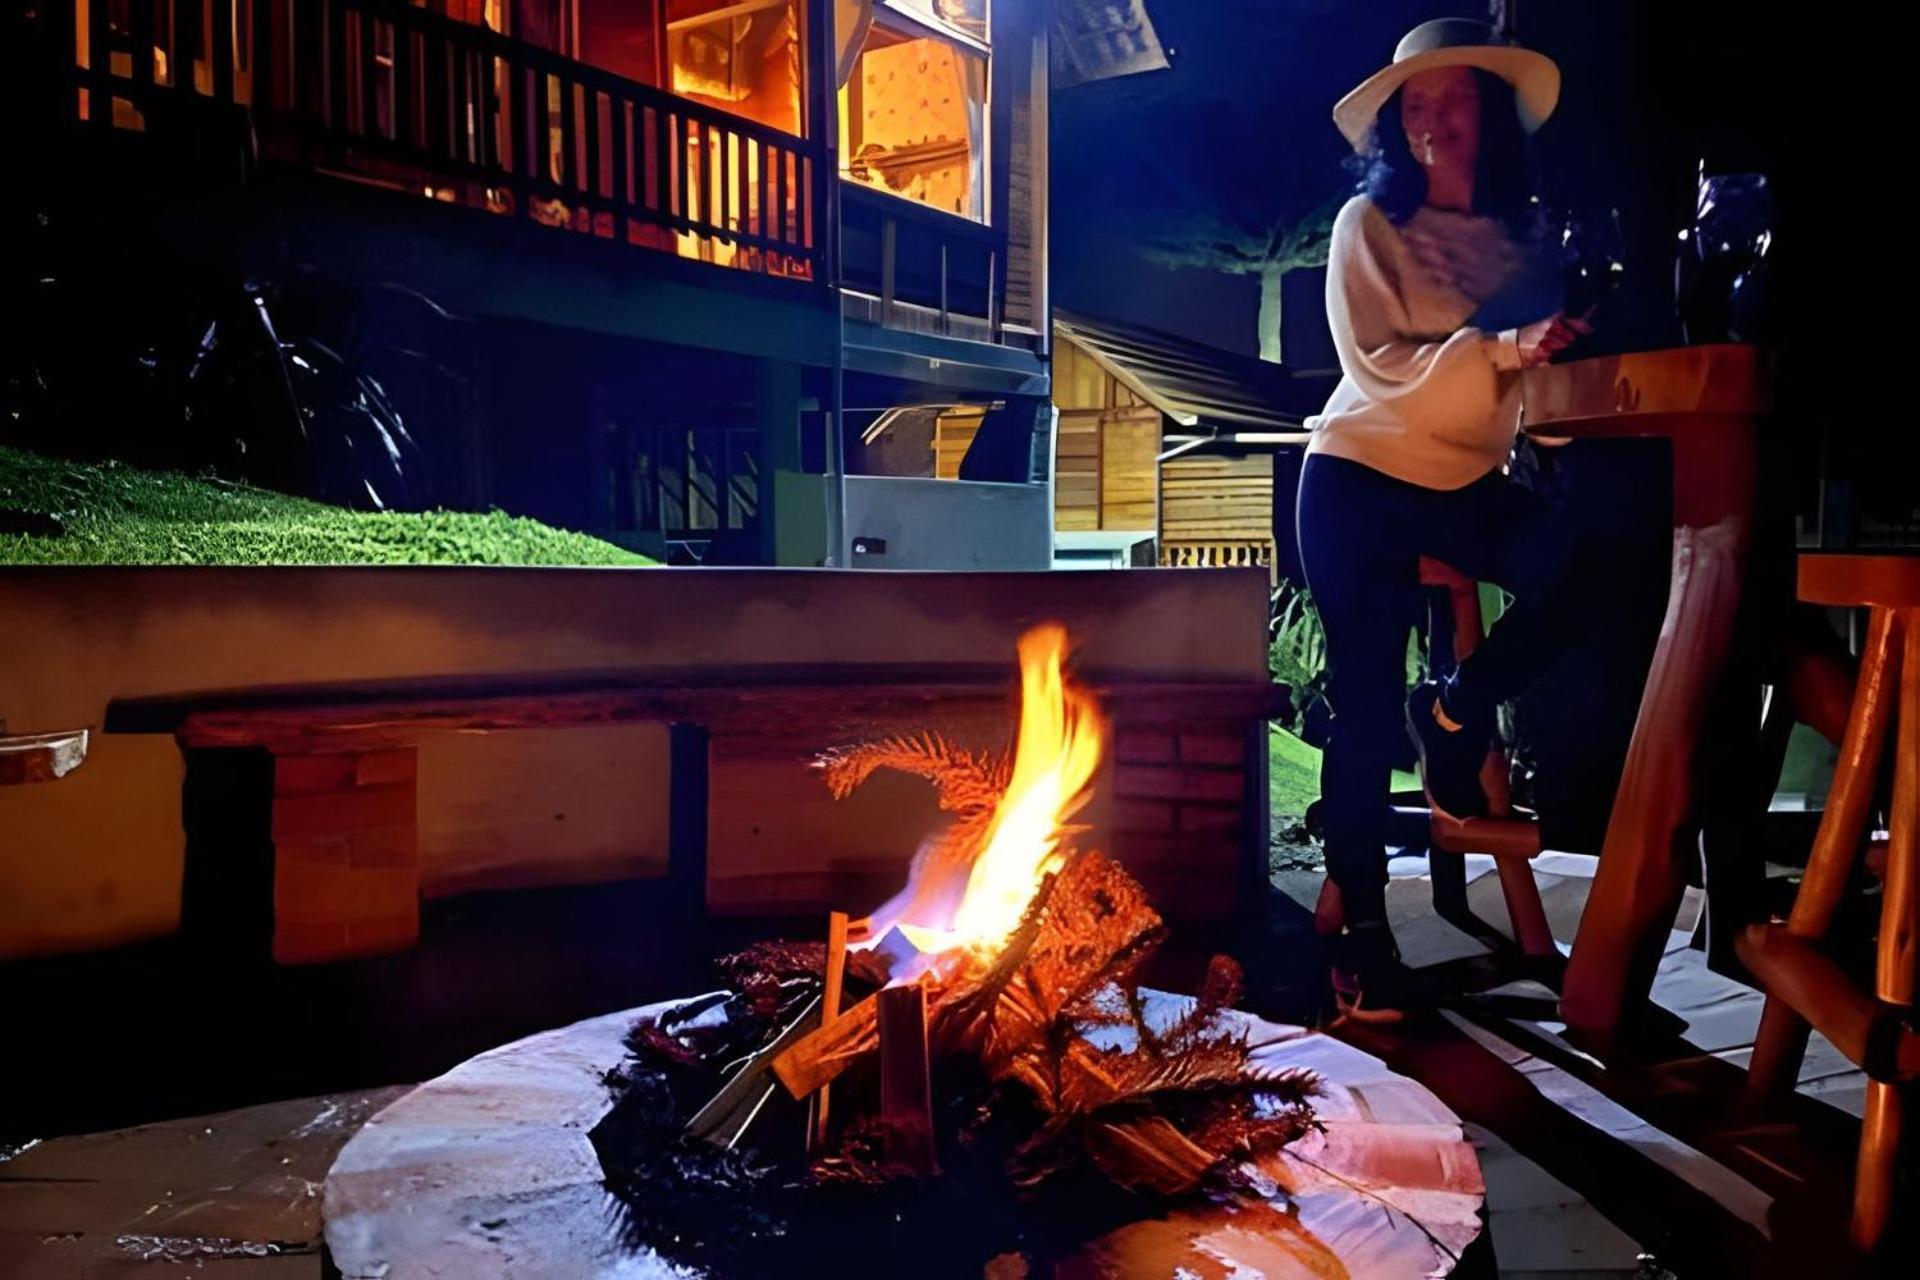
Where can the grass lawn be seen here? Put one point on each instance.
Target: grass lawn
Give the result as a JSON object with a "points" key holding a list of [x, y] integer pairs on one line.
{"points": [[65, 513], [1293, 776]]}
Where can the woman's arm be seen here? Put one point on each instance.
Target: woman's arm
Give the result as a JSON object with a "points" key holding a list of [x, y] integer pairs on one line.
{"points": [[1371, 326]]}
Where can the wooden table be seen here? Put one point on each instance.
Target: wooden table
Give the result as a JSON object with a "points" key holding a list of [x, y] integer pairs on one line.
{"points": [[1706, 400]]}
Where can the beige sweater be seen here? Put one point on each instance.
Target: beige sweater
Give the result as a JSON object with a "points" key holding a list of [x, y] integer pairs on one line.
{"points": [[1422, 398]]}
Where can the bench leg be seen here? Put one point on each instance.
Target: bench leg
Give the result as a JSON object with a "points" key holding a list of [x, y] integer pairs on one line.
{"points": [[346, 864], [1782, 1039], [690, 764]]}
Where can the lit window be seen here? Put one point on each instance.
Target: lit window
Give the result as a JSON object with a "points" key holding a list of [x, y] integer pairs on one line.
{"points": [[913, 115], [743, 56]]}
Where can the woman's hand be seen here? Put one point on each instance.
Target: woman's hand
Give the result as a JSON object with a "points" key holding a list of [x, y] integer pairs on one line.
{"points": [[1542, 340]]}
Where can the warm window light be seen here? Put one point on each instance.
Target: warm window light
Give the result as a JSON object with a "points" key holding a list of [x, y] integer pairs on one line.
{"points": [[913, 120], [744, 57]]}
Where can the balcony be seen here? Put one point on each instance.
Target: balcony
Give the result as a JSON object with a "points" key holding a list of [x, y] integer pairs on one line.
{"points": [[426, 98], [397, 95]]}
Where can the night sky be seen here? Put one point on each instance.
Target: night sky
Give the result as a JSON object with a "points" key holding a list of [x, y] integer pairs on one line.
{"points": [[1238, 132]]}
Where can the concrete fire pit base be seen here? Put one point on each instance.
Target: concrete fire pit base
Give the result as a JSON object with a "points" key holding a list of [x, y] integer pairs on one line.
{"points": [[487, 1171]]}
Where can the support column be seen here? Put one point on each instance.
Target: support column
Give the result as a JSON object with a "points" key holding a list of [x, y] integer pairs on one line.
{"points": [[689, 763], [346, 860], [777, 421]]}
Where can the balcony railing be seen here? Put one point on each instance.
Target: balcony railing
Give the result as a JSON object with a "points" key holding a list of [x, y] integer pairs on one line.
{"points": [[389, 92], [1224, 554], [910, 267]]}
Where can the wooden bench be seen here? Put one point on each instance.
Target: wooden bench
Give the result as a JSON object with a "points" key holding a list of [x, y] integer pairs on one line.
{"points": [[343, 775]]}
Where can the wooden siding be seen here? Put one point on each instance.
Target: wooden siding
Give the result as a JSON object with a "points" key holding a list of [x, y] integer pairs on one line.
{"points": [[1217, 511], [953, 434], [1080, 383], [1104, 471]]}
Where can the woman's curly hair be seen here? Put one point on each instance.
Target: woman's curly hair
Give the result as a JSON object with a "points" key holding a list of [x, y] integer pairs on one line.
{"points": [[1503, 185]]}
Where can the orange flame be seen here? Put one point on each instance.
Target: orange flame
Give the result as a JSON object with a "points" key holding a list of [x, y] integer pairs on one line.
{"points": [[1058, 750], [1054, 760]]}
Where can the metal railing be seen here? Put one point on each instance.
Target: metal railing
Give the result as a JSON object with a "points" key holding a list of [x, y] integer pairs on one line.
{"points": [[392, 92], [923, 267]]}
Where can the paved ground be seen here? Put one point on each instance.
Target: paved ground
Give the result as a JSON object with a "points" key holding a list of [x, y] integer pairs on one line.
{"points": [[1658, 1149], [1585, 1167], [233, 1196]]}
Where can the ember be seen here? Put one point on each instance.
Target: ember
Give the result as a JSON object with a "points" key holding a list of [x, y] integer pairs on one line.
{"points": [[1019, 948]]}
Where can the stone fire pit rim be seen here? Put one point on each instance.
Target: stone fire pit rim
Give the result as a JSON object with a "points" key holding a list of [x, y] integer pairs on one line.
{"points": [[487, 1169]]}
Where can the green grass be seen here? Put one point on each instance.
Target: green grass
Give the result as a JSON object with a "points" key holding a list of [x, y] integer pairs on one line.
{"points": [[114, 514], [1293, 775]]}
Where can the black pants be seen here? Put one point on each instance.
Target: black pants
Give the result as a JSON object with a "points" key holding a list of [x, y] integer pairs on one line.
{"points": [[1361, 535]]}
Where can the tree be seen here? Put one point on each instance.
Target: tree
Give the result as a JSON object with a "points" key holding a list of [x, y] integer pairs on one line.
{"points": [[1289, 243]]}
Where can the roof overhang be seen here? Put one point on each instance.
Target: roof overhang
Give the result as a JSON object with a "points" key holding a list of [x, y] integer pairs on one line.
{"points": [[1103, 39]]}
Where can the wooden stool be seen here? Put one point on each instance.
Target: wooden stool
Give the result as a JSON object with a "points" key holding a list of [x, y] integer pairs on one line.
{"points": [[1512, 840], [1804, 987]]}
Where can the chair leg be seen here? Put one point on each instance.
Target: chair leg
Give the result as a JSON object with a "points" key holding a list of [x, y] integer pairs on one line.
{"points": [[1874, 1188], [1782, 1041], [1900, 892], [1529, 917], [1449, 873], [1876, 1172]]}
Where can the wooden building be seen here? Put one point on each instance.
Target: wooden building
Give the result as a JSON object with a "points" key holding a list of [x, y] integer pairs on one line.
{"points": [[631, 264], [1197, 446]]}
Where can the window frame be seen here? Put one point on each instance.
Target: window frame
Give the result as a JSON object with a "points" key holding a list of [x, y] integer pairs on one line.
{"points": [[916, 25]]}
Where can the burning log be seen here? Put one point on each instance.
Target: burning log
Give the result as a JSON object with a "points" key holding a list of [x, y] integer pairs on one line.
{"points": [[834, 979], [1010, 946], [816, 1060], [906, 1085], [1090, 925]]}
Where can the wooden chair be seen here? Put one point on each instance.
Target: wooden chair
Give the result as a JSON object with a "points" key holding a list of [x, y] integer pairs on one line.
{"points": [[1804, 986], [1511, 837]]}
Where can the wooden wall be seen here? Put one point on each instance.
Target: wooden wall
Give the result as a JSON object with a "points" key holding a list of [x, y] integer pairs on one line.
{"points": [[1217, 511], [953, 433], [1080, 383], [1104, 476], [1105, 470]]}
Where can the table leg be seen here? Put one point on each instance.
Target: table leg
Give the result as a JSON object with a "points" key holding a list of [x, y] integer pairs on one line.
{"points": [[1638, 883]]}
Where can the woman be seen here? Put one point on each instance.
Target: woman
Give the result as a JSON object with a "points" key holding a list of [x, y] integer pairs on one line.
{"points": [[1438, 295]]}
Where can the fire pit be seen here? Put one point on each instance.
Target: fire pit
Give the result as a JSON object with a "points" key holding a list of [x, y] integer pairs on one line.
{"points": [[488, 1170], [1084, 1125]]}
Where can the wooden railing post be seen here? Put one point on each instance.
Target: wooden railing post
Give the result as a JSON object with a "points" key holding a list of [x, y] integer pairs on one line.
{"points": [[889, 265], [100, 63], [140, 32], [220, 50]]}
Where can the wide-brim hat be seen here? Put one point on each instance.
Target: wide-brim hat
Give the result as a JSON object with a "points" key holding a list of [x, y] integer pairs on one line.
{"points": [[1453, 42]]}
